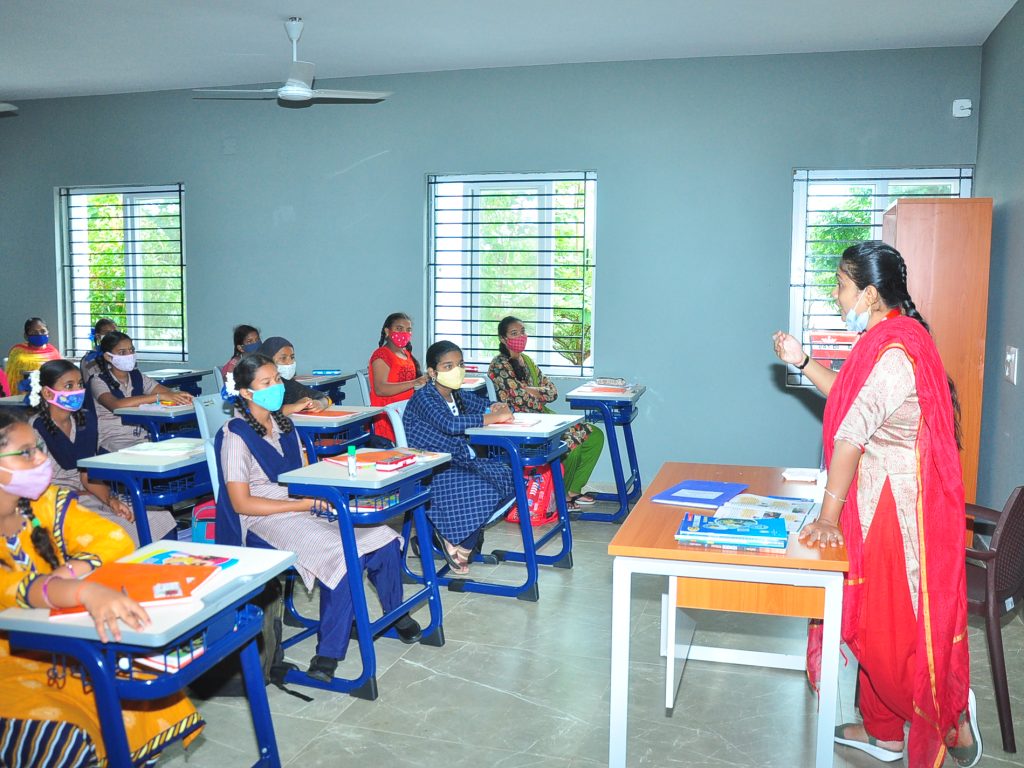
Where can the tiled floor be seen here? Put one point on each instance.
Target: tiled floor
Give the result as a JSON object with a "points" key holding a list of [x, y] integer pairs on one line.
{"points": [[526, 684]]}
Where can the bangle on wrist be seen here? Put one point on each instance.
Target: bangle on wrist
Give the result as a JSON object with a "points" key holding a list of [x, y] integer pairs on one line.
{"points": [[807, 359], [841, 501], [46, 597]]}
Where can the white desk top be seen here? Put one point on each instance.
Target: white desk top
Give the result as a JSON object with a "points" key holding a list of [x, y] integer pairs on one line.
{"points": [[170, 373], [164, 411], [254, 565], [344, 414], [473, 383], [318, 381], [13, 400], [630, 394], [329, 473], [151, 457], [530, 425]]}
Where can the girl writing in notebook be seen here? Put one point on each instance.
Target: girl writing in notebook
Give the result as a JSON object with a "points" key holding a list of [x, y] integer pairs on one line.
{"points": [[895, 498], [471, 490], [49, 543], [69, 431], [394, 373], [118, 383], [524, 387], [254, 449]]}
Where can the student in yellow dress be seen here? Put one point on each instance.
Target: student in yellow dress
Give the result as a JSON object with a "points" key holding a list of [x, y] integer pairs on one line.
{"points": [[50, 543], [30, 355]]}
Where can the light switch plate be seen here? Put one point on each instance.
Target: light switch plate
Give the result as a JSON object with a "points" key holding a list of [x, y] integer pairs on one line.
{"points": [[1010, 365]]}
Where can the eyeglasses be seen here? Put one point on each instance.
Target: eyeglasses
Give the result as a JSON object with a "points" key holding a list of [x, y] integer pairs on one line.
{"points": [[28, 453]]}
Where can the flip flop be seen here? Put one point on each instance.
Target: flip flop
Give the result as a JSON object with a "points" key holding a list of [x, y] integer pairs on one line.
{"points": [[450, 552], [571, 505], [869, 747], [969, 756], [585, 500]]}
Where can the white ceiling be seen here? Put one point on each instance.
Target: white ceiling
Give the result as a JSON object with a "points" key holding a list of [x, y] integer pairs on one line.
{"points": [[51, 48]]}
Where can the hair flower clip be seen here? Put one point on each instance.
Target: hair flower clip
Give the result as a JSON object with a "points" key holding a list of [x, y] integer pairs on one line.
{"points": [[34, 388], [229, 389]]}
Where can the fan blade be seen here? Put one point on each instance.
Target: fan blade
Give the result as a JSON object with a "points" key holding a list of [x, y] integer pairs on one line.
{"points": [[369, 97], [301, 73], [7, 108], [234, 93]]}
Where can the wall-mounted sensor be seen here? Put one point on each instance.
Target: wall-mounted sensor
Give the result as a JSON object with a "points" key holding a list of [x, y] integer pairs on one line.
{"points": [[962, 107]]}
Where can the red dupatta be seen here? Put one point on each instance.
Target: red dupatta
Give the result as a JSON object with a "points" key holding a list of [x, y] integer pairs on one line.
{"points": [[941, 664]]}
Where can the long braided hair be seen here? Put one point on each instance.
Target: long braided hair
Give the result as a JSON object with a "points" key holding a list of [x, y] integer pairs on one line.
{"points": [[40, 537], [245, 374], [48, 375], [107, 344], [435, 352], [875, 263], [518, 367], [394, 317]]}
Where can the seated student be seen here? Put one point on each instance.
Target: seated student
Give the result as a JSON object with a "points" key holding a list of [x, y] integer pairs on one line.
{"points": [[68, 428], [103, 326], [393, 371], [117, 383], [254, 449], [524, 387], [30, 355], [51, 542], [297, 396], [5, 388], [247, 340], [471, 490]]}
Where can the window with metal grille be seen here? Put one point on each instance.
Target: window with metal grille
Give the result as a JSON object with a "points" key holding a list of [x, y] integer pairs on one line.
{"points": [[833, 210], [123, 257], [514, 244]]}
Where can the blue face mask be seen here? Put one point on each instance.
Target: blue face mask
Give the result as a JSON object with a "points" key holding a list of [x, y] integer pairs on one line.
{"points": [[857, 323], [271, 398], [250, 348], [38, 339]]}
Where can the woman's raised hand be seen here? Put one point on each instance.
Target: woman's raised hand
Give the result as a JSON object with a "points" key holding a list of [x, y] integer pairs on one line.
{"points": [[787, 348]]}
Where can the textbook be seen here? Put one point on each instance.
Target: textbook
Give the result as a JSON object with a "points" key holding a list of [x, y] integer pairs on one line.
{"points": [[768, 533], [793, 511], [327, 413], [704, 494], [177, 557], [176, 659], [147, 584], [382, 461]]}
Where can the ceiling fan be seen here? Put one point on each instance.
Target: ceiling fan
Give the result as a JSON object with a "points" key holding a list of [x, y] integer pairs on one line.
{"points": [[299, 86]]}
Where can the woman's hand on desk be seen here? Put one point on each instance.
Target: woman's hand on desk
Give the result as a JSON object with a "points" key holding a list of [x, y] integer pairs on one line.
{"points": [[497, 416], [178, 398], [787, 348], [107, 607], [821, 534]]}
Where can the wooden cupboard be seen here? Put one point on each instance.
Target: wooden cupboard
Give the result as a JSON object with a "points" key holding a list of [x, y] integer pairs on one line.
{"points": [[946, 243]]}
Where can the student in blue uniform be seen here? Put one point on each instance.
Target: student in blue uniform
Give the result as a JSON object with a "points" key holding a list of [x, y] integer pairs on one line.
{"points": [[470, 491]]}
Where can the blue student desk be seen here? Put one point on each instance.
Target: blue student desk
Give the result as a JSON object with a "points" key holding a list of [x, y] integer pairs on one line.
{"points": [[185, 379], [330, 384], [613, 409], [533, 442], [225, 621], [161, 421], [331, 482], [330, 432], [154, 474]]}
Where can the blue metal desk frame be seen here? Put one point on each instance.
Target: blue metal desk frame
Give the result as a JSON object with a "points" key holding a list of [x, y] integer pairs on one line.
{"points": [[351, 433], [613, 413], [414, 493], [233, 627], [157, 489], [523, 452], [155, 424], [186, 382]]}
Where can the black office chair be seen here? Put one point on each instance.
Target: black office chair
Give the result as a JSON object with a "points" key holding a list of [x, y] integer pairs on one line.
{"points": [[995, 588]]}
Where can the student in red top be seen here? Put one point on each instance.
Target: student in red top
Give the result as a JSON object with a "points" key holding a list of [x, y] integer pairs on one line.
{"points": [[393, 371]]}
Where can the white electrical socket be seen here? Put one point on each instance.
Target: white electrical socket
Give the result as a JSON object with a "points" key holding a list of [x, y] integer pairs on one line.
{"points": [[1010, 365]]}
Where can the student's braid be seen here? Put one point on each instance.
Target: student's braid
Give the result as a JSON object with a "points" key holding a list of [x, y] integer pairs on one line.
{"points": [[457, 396], [40, 537], [43, 411], [283, 422], [249, 418], [907, 303]]}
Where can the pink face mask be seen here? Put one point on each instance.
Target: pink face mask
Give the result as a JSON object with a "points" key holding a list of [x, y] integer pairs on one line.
{"points": [[28, 483], [516, 343], [401, 339]]}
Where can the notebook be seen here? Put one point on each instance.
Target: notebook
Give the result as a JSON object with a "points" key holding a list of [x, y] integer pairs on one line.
{"points": [[703, 494], [769, 533]]}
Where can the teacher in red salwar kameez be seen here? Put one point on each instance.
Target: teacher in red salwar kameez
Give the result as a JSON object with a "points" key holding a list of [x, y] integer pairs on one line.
{"points": [[895, 497]]}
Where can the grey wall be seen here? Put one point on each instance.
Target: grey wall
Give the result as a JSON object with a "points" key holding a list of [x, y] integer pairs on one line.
{"points": [[314, 227], [1001, 176]]}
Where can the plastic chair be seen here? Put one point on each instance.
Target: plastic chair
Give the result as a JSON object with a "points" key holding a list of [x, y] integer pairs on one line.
{"points": [[995, 588], [492, 393], [363, 377], [212, 413], [394, 413], [218, 379]]}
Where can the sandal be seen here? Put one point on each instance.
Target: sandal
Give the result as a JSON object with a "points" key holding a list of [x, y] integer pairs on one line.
{"points": [[456, 566], [970, 755], [869, 747], [572, 505], [585, 500]]}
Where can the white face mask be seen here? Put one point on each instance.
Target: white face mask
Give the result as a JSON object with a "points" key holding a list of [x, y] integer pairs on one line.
{"points": [[858, 323], [286, 371], [123, 362]]}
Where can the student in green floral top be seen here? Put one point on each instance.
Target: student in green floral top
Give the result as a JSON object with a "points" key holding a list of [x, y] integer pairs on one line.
{"points": [[520, 383]]}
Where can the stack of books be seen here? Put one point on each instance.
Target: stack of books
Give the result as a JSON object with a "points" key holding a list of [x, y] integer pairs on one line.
{"points": [[738, 533]]}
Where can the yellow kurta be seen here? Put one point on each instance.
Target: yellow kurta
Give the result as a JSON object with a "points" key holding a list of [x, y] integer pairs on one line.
{"points": [[24, 691], [23, 358]]}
